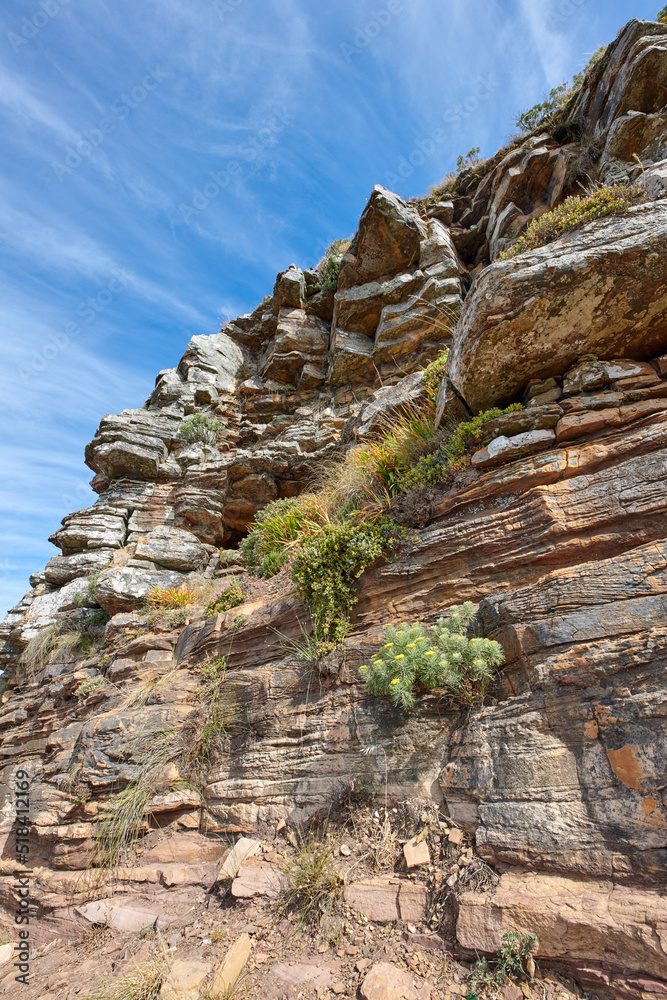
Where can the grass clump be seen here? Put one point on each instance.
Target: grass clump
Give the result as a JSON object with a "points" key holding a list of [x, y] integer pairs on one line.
{"points": [[313, 882], [72, 638], [88, 595], [608, 199], [192, 749], [439, 658], [278, 527], [226, 599], [200, 428], [438, 466], [144, 982], [329, 267], [434, 373], [325, 569], [171, 597]]}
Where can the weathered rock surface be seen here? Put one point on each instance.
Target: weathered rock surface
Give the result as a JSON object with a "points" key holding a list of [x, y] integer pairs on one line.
{"points": [[598, 290], [557, 531]]}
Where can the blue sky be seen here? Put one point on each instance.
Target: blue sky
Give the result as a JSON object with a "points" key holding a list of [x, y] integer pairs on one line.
{"points": [[163, 160]]}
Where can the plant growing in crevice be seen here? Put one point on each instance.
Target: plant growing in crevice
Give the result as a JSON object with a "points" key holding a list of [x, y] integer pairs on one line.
{"points": [[662, 16], [200, 428], [514, 960], [434, 373], [89, 685], [224, 600], [576, 211], [313, 882], [439, 658], [192, 748], [438, 466], [73, 637], [325, 569]]}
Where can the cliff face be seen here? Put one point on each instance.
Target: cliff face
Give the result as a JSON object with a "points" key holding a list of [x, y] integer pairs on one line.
{"points": [[558, 533]]}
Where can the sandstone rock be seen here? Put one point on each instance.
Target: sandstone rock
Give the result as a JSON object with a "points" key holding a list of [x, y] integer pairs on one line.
{"points": [[386, 899], [388, 240], [6, 953], [536, 314], [416, 853], [257, 879], [576, 424], [388, 982], [352, 358], [244, 848], [633, 78], [172, 548], [235, 962], [98, 527], [585, 921], [185, 980], [443, 211], [504, 449], [315, 976], [448, 407], [358, 309], [132, 444], [290, 289], [299, 339], [125, 917]]}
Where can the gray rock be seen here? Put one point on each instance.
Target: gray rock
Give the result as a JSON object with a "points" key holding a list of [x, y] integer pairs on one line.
{"points": [[504, 449], [539, 312], [64, 569], [388, 240], [172, 548], [126, 588]]}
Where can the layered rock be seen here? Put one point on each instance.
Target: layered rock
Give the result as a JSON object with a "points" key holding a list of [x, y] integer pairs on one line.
{"points": [[556, 530]]}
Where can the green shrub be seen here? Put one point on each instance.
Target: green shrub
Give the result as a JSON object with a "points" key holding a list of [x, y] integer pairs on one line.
{"points": [[470, 160], [277, 527], [200, 428], [662, 16], [89, 685], [434, 373], [325, 569], [438, 466], [330, 275], [574, 212], [439, 658], [543, 114], [226, 599]]}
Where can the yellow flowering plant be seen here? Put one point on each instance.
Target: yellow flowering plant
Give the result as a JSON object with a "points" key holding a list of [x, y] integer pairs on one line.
{"points": [[439, 658]]}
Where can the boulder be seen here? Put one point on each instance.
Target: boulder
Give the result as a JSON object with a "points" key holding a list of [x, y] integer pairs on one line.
{"points": [[631, 77], [172, 548], [132, 444], [299, 338], [585, 922], [290, 289], [98, 527], [535, 315], [388, 982], [388, 241]]}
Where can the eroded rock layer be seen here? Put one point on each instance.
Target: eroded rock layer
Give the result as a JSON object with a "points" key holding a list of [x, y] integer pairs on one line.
{"points": [[557, 531]]}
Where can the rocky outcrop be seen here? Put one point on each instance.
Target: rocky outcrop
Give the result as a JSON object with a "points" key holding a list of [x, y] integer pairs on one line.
{"points": [[599, 290], [556, 530]]}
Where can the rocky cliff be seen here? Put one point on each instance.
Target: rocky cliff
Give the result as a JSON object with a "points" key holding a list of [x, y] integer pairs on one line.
{"points": [[557, 531]]}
